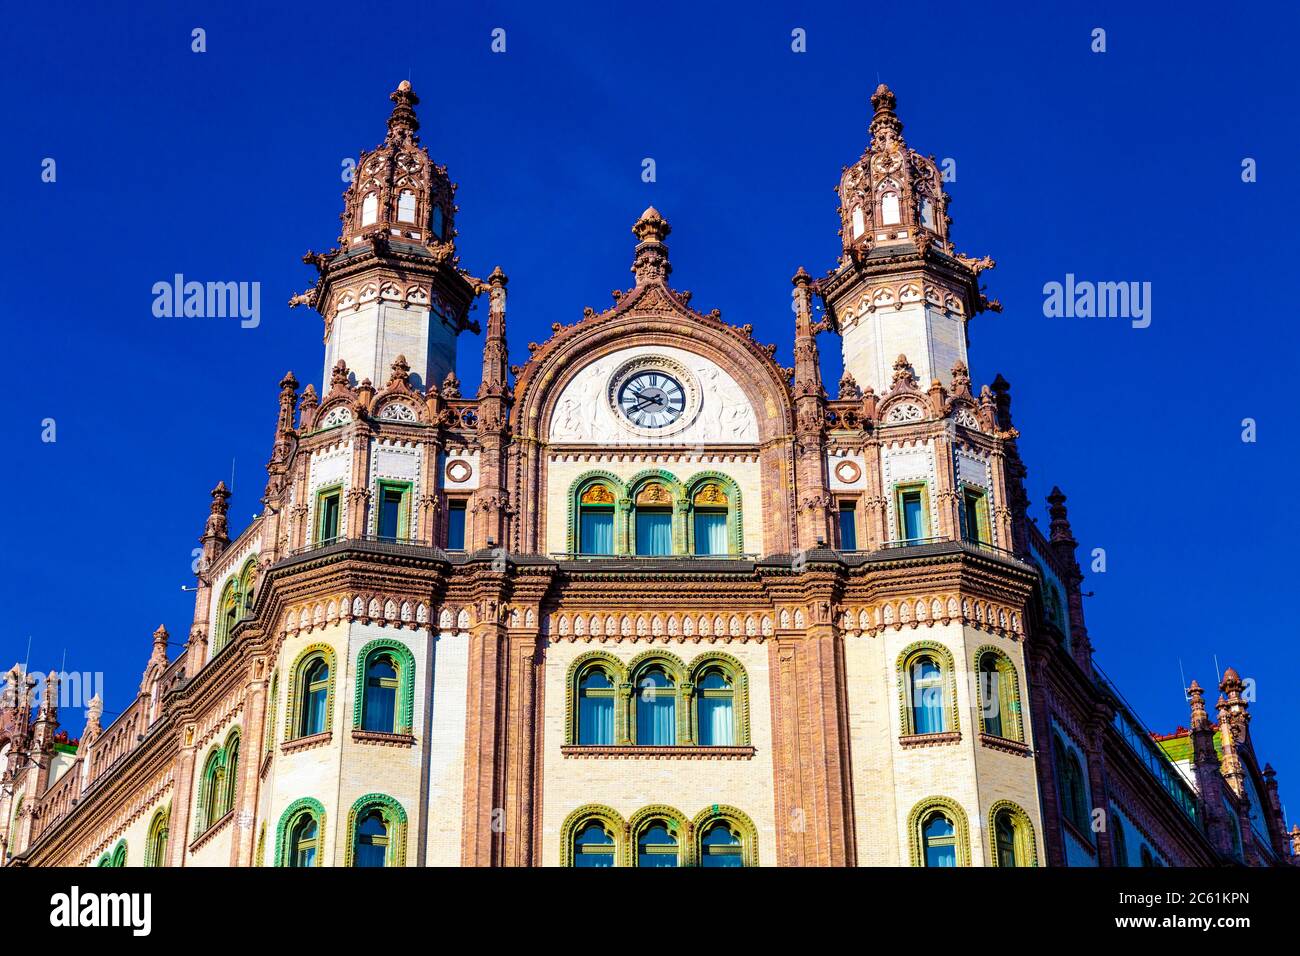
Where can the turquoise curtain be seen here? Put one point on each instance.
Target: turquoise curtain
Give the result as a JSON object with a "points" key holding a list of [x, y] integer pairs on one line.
{"points": [[711, 532], [596, 531], [654, 532]]}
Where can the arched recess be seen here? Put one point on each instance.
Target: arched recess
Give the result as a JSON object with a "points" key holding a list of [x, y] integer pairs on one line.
{"points": [[636, 321], [737, 822], [1025, 846], [394, 817], [700, 494], [598, 489], [612, 829], [922, 814], [403, 715]]}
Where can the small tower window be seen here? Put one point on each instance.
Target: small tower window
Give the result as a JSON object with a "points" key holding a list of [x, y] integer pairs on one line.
{"points": [[859, 222], [889, 214], [369, 209], [848, 526], [406, 206], [456, 526], [927, 214], [437, 223]]}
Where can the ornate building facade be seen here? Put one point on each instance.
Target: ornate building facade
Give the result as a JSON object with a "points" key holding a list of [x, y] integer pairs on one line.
{"points": [[649, 599]]}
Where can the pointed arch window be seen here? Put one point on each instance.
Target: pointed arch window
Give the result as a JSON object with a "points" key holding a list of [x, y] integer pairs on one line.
{"points": [[369, 209], [656, 707], [596, 520], [213, 791], [406, 206]]}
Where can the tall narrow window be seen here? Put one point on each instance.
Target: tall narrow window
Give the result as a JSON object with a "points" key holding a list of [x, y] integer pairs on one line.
{"points": [[437, 222], [596, 709], [391, 523], [710, 519], [717, 710], [992, 702], [371, 848], [369, 209], [859, 222], [315, 690], [379, 709], [721, 846], [656, 846], [848, 526], [232, 774], [929, 713], [593, 845], [656, 709], [406, 206], [939, 838], [1074, 801], [912, 515], [157, 849], [889, 215], [596, 521], [1004, 832], [304, 841], [974, 520], [328, 506], [455, 526]]}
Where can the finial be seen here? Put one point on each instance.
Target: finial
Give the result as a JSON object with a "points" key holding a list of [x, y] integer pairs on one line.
{"points": [[403, 121], [883, 102], [160, 636], [651, 226], [903, 371], [651, 259]]}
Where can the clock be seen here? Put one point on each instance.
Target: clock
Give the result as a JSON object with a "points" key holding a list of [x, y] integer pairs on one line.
{"points": [[652, 399]]}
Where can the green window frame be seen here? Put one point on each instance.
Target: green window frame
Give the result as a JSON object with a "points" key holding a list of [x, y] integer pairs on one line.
{"points": [[903, 493], [329, 514], [291, 841], [1011, 829], [700, 496], [404, 697], [994, 669], [219, 784], [155, 847], [922, 813], [296, 697], [398, 494], [907, 695], [393, 815], [738, 693], [975, 515], [741, 828], [576, 824], [610, 497]]}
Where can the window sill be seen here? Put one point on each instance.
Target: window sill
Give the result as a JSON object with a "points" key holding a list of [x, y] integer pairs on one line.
{"points": [[381, 739], [912, 741], [306, 743], [682, 751], [212, 831], [1006, 745]]}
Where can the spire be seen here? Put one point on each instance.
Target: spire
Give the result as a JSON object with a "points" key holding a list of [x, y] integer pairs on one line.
{"points": [[883, 102], [403, 124], [495, 353], [216, 528], [94, 709], [1060, 526], [650, 261]]}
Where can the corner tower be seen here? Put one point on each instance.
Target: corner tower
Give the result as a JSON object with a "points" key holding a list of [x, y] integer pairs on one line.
{"points": [[899, 288], [393, 286]]}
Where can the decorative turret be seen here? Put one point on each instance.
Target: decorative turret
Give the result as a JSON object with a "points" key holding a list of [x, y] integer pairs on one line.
{"points": [[899, 286], [495, 354], [1207, 772], [394, 286], [650, 260]]}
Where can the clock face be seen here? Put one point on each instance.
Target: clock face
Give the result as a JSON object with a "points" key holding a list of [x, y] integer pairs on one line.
{"points": [[652, 399]]}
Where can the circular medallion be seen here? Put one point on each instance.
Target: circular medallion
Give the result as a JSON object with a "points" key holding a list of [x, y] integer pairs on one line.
{"points": [[848, 472], [459, 470], [653, 395]]}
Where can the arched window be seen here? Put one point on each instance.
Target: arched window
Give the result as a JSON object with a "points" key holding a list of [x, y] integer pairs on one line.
{"points": [[859, 222], [593, 845], [273, 699], [889, 209], [155, 850], [653, 519], [118, 857], [371, 844], [376, 832], [379, 710], [596, 520], [212, 792], [927, 691], [938, 834], [724, 837], [1119, 842], [716, 707], [299, 839], [230, 758], [309, 700], [657, 844], [999, 696], [1070, 783], [656, 707], [596, 707], [406, 206], [928, 710], [369, 209], [1011, 835], [247, 584], [713, 514], [230, 608]]}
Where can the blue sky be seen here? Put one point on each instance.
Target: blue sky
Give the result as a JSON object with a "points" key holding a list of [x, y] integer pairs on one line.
{"points": [[225, 165]]}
